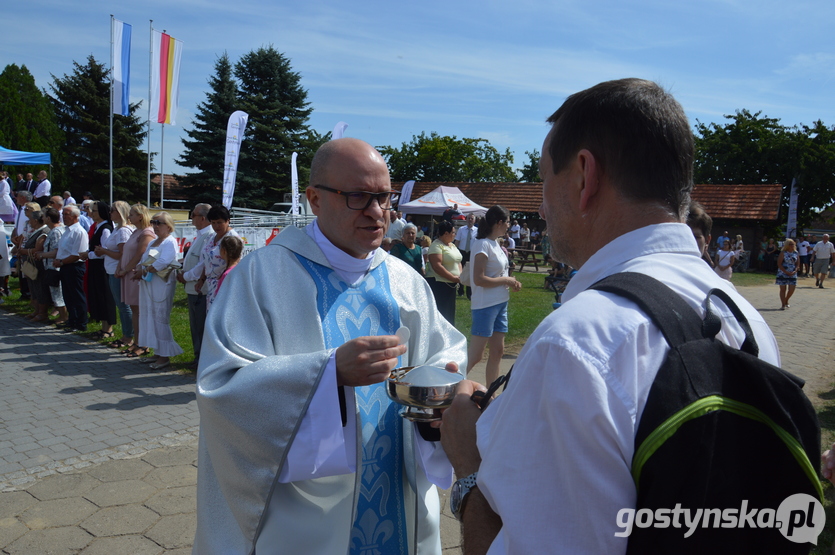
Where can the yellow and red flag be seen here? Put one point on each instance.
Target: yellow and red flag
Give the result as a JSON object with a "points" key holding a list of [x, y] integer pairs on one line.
{"points": [[165, 77]]}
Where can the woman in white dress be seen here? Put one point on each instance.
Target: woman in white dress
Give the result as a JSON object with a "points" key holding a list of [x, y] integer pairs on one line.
{"points": [[156, 294], [725, 260]]}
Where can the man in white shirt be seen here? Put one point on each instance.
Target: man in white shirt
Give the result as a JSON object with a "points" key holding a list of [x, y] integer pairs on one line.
{"points": [[43, 190], [68, 198], [824, 256], [67, 260], [514, 231], [803, 248], [396, 225], [552, 455], [193, 265], [301, 450], [464, 239]]}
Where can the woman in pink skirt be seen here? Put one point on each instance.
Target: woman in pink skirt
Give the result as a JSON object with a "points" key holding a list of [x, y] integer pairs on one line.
{"points": [[140, 217]]}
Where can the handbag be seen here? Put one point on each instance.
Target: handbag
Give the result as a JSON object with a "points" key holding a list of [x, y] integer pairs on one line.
{"points": [[52, 278], [29, 269], [165, 273]]}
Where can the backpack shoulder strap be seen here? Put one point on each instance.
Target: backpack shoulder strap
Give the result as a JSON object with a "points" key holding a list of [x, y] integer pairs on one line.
{"points": [[674, 317]]}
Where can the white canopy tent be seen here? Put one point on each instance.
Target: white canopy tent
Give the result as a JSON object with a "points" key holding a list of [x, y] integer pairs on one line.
{"points": [[437, 201]]}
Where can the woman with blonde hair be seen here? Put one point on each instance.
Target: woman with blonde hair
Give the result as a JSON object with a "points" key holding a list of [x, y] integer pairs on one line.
{"points": [[156, 292], [111, 251], [787, 272], [140, 217]]}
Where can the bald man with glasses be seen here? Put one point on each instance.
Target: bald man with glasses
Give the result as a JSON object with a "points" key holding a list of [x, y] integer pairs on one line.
{"points": [[301, 449]]}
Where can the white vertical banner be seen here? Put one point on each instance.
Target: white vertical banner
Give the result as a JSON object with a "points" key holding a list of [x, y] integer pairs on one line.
{"points": [[339, 130], [294, 180], [121, 67], [406, 194], [234, 136], [791, 226]]}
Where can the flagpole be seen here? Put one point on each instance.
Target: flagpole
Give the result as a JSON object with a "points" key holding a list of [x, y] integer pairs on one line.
{"points": [[150, 71], [162, 166], [111, 108]]}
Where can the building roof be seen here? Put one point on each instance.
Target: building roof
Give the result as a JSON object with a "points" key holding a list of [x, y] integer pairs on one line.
{"points": [[740, 202], [734, 202], [516, 197]]}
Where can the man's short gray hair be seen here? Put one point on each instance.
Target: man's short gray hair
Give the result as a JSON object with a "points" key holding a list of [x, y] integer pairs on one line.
{"points": [[73, 208], [27, 195]]}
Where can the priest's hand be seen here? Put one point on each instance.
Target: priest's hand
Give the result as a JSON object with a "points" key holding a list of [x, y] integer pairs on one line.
{"points": [[458, 435], [367, 360]]}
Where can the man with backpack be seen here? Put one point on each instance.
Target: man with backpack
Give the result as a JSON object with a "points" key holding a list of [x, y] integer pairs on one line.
{"points": [[550, 465]]}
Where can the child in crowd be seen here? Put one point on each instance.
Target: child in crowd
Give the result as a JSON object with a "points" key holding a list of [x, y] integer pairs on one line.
{"points": [[231, 251]]}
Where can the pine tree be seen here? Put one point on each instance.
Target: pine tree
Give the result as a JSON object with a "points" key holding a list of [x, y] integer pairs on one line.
{"points": [[204, 150], [29, 120], [82, 105], [271, 93]]}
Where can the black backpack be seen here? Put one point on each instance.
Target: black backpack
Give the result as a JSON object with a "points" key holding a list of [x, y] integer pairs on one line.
{"points": [[720, 427]]}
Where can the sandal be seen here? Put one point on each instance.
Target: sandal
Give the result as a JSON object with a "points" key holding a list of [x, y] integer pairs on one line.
{"points": [[141, 352], [99, 335], [118, 344]]}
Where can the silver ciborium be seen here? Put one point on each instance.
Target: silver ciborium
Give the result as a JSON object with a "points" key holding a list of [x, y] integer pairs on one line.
{"points": [[423, 390]]}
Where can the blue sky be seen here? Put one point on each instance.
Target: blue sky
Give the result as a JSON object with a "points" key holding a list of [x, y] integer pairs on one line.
{"points": [[489, 69]]}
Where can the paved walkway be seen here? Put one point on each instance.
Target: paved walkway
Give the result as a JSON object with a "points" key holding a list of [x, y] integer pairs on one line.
{"points": [[98, 455]]}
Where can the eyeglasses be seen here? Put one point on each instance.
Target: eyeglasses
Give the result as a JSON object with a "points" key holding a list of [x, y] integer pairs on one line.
{"points": [[360, 200], [157, 222]]}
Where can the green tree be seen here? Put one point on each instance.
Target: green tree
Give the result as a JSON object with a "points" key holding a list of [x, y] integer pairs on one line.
{"points": [[205, 147], [271, 93], [82, 105], [448, 159], [530, 171], [28, 120], [751, 149]]}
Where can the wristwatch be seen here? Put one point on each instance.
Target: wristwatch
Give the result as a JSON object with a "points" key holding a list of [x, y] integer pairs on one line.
{"points": [[460, 490]]}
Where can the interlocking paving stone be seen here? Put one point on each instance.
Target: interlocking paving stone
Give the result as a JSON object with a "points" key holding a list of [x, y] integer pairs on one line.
{"points": [[122, 492], [58, 512], [55, 541], [120, 521], [135, 545], [173, 501], [174, 531]]}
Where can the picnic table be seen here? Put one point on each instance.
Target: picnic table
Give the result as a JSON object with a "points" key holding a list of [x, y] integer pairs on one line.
{"points": [[528, 256]]}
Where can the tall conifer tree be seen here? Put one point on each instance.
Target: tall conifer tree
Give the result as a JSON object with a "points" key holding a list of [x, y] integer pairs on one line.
{"points": [[271, 93], [82, 106], [204, 149]]}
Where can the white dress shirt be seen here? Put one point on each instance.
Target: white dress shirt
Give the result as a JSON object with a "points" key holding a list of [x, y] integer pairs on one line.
{"points": [[43, 189], [557, 446], [73, 241]]}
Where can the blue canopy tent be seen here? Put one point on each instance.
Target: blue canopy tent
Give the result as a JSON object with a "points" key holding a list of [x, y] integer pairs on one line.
{"points": [[21, 158]]}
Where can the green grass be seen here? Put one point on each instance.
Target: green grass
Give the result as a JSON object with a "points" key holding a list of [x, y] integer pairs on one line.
{"points": [[749, 279], [526, 309]]}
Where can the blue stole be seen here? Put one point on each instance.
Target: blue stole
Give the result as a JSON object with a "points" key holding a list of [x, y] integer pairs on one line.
{"points": [[347, 312]]}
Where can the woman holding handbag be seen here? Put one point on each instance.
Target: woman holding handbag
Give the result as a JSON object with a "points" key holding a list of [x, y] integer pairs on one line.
{"points": [[156, 292], [52, 277], [33, 267]]}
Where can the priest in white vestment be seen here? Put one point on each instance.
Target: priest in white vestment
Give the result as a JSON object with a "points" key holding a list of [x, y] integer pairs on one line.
{"points": [[301, 451]]}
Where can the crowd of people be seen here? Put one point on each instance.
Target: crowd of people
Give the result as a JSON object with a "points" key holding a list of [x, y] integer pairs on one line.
{"points": [[298, 435], [115, 264]]}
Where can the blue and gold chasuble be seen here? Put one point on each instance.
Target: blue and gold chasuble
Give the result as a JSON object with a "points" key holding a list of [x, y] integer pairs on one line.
{"points": [[368, 308]]}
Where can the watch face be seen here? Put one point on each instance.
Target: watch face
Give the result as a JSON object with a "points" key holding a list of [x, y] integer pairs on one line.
{"points": [[455, 498]]}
